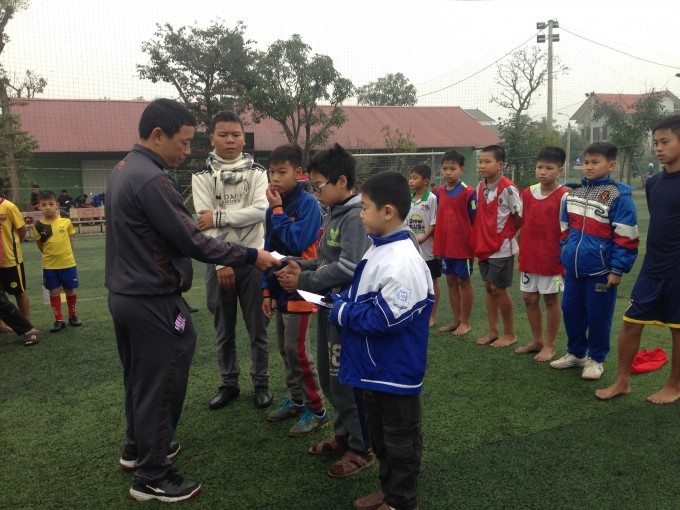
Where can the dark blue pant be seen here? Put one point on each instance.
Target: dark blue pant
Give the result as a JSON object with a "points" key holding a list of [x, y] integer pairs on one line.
{"points": [[396, 432], [587, 310], [156, 358]]}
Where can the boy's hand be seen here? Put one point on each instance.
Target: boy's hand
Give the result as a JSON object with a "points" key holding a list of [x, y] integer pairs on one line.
{"points": [[269, 307], [288, 276], [205, 219], [226, 279], [613, 280], [273, 197]]}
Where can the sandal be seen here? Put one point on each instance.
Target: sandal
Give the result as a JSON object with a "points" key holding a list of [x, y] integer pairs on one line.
{"points": [[31, 337], [330, 446], [350, 464]]}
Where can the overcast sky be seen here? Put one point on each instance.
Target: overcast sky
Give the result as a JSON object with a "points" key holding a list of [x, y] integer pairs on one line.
{"points": [[89, 48]]}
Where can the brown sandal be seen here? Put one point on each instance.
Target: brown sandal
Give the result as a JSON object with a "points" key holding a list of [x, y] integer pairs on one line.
{"points": [[31, 337], [350, 464], [330, 446]]}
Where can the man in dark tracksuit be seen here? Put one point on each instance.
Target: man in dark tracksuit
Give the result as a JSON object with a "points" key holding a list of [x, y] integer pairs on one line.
{"points": [[150, 238]]}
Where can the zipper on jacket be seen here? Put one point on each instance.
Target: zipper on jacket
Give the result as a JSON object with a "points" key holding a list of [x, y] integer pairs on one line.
{"points": [[583, 228]]}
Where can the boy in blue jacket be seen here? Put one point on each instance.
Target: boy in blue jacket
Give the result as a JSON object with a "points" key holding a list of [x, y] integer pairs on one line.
{"points": [[599, 244], [384, 318]]}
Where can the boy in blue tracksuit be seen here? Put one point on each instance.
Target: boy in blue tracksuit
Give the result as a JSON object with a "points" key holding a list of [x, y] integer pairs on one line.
{"points": [[599, 244], [384, 318], [293, 220]]}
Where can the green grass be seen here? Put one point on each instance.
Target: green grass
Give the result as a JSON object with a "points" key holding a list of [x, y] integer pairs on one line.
{"points": [[501, 431]]}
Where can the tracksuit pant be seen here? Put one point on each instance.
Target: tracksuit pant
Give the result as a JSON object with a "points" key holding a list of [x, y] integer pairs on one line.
{"points": [[224, 307], [12, 316], [156, 341], [587, 311], [302, 379]]}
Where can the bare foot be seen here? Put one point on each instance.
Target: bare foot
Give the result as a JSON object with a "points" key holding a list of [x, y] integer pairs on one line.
{"points": [[666, 395], [463, 329], [449, 327], [546, 354], [504, 341], [487, 339], [532, 347], [616, 389], [433, 320]]}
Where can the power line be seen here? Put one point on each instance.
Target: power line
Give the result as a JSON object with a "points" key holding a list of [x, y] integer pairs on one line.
{"points": [[618, 51], [481, 70]]}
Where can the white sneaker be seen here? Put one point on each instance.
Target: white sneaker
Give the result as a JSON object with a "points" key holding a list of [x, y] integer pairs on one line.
{"points": [[568, 361], [592, 371]]}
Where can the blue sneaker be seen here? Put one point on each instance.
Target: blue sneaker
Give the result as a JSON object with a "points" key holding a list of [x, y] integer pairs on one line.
{"points": [[308, 423], [286, 409]]}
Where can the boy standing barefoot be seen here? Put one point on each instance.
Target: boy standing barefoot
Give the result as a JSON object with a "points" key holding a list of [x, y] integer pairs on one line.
{"points": [[539, 252], [499, 212], [655, 299], [456, 209]]}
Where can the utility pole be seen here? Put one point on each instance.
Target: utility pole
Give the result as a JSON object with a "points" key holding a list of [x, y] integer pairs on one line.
{"points": [[540, 38]]}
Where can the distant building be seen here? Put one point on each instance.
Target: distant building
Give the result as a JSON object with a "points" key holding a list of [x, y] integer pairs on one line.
{"points": [[80, 140], [484, 120], [597, 130]]}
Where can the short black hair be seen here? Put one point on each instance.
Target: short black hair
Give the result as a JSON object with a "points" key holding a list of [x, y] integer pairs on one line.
{"points": [[423, 170], [497, 150], [389, 188], [46, 195], [552, 154], [454, 156], [672, 123], [225, 116], [333, 163], [290, 152], [166, 114], [606, 149]]}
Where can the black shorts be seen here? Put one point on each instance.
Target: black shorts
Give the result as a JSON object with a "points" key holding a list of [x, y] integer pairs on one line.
{"points": [[655, 301], [435, 268], [13, 279], [498, 271]]}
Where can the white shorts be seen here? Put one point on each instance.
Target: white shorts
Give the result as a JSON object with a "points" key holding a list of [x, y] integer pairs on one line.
{"points": [[530, 282]]}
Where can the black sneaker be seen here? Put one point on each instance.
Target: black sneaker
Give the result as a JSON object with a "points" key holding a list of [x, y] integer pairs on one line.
{"points": [[128, 458], [224, 395], [170, 489], [58, 326], [75, 321], [263, 397]]}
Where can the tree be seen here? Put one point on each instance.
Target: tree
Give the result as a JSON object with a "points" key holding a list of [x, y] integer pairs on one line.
{"points": [[390, 90], [523, 139], [31, 84], [15, 145], [630, 131], [290, 85], [520, 79], [209, 68]]}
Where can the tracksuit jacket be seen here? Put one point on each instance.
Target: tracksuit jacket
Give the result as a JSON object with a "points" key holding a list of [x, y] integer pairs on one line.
{"points": [[599, 229], [384, 318]]}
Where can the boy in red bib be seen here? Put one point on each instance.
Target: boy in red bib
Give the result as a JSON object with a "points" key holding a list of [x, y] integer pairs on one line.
{"points": [[499, 211], [539, 252]]}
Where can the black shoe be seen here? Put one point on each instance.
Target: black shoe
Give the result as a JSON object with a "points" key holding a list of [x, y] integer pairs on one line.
{"points": [[58, 326], [223, 396], [75, 321], [170, 489], [263, 397], [192, 309], [128, 458]]}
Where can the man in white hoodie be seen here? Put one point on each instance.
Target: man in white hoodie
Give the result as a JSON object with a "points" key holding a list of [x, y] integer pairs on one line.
{"points": [[229, 197]]}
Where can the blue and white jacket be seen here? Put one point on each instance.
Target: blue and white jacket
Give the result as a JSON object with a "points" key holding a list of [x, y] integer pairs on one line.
{"points": [[384, 318], [599, 229]]}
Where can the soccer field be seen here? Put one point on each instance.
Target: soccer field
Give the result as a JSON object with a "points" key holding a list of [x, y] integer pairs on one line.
{"points": [[501, 431]]}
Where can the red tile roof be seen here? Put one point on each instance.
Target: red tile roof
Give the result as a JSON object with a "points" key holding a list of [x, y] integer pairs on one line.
{"points": [[84, 125]]}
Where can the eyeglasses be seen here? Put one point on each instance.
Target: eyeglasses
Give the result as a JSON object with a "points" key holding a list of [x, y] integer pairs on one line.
{"points": [[317, 189]]}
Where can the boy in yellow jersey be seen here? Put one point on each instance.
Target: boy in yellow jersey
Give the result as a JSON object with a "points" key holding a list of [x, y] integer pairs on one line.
{"points": [[53, 237]]}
